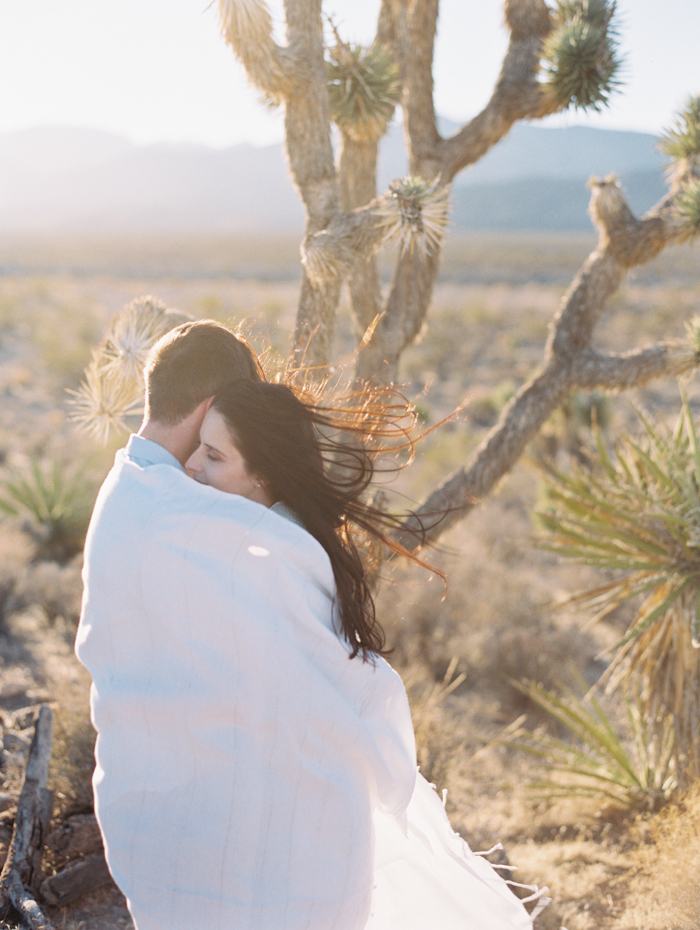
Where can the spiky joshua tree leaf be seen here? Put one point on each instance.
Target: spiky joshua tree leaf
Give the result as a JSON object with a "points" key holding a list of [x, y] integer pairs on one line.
{"points": [[687, 202], [113, 385], [105, 399], [416, 212], [683, 140], [580, 56], [364, 89]]}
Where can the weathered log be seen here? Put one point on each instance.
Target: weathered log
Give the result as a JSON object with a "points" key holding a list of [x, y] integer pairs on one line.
{"points": [[23, 864], [75, 880]]}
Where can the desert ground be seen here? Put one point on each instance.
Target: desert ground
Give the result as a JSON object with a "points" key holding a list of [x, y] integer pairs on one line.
{"points": [[460, 649]]}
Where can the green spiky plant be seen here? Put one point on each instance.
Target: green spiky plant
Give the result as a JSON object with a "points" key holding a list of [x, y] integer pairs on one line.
{"points": [[55, 499], [637, 773], [580, 56], [636, 515]]}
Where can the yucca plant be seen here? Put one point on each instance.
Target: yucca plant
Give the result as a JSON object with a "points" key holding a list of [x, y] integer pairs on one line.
{"points": [[54, 499], [637, 773], [636, 514]]}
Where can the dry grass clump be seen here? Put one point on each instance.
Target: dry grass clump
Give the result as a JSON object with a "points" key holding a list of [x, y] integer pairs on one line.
{"points": [[73, 757], [662, 885], [438, 740], [55, 588]]}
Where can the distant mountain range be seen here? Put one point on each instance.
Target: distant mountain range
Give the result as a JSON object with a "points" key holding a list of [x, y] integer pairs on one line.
{"points": [[88, 181]]}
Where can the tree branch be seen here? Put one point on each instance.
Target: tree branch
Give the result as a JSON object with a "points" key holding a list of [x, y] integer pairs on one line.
{"points": [[415, 26], [33, 812], [431, 157], [593, 371], [247, 27], [357, 173], [334, 252], [310, 156], [517, 95], [520, 421], [570, 362], [406, 308], [630, 240]]}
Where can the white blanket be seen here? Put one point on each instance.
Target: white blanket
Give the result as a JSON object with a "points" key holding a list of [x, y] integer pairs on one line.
{"points": [[243, 760]]}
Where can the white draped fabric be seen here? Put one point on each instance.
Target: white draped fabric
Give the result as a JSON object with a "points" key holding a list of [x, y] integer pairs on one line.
{"points": [[245, 765]]}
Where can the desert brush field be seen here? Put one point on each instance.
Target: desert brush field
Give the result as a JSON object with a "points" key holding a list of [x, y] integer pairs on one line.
{"points": [[622, 861]]}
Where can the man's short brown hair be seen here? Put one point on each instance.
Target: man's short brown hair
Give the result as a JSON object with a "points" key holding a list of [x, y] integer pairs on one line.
{"points": [[190, 364]]}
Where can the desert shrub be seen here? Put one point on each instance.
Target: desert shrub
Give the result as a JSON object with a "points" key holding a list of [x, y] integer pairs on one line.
{"points": [[73, 757], [665, 895]]}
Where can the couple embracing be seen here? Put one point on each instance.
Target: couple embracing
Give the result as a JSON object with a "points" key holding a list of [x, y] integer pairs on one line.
{"points": [[255, 759]]}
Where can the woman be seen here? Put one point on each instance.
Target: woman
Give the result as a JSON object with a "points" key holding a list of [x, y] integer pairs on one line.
{"points": [[258, 440]]}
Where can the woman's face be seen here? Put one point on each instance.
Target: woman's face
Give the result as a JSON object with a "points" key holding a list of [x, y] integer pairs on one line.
{"points": [[219, 463]]}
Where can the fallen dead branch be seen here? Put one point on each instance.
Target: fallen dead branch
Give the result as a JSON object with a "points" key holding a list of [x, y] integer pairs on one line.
{"points": [[23, 864]]}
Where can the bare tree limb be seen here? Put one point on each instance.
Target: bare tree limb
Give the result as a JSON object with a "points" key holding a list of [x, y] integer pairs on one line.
{"points": [[517, 95], [23, 863], [570, 361], [634, 369], [415, 27], [406, 308], [335, 252], [520, 421]]}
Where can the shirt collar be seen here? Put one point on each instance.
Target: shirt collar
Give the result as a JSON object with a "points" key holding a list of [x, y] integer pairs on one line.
{"points": [[146, 452]]}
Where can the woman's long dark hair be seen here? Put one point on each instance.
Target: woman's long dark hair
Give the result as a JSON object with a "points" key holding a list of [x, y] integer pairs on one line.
{"points": [[319, 461]]}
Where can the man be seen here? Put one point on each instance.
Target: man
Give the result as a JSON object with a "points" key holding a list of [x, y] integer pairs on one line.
{"points": [[183, 372], [239, 751]]}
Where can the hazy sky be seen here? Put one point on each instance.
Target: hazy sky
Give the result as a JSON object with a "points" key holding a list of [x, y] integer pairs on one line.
{"points": [[158, 70]]}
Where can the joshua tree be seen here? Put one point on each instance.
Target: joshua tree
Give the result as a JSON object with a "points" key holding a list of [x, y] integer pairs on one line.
{"points": [[558, 57]]}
